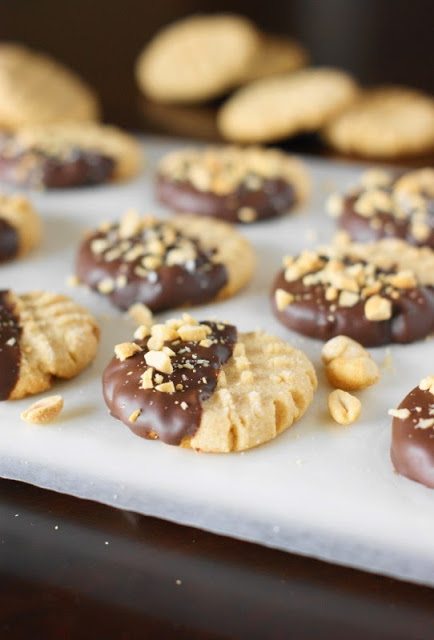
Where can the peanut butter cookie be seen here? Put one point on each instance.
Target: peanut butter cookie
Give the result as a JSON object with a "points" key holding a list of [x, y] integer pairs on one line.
{"points": [[68, 155], [374, 293], [285, 105], [35, 89], [412, 449], [207, 387], [386, 205], [197, 58], [20, 227], [388, 122], [165, 263], [232, 183], [43, 336]]}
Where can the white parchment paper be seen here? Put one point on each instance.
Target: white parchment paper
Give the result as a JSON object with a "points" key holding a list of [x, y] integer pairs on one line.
{"points": [[319, 489]]}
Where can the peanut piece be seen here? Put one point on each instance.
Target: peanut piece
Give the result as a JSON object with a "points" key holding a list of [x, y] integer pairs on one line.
{"points": [[43, 411], [343, 407], [348, 365]]}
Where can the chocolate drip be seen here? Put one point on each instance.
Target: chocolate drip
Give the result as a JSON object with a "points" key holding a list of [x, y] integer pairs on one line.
{"points": [[36, 168], [167, 287], [10, 352], [9, 242], [274, 198], [412, 449], [164, 415], [361, 229], [312, 315]]}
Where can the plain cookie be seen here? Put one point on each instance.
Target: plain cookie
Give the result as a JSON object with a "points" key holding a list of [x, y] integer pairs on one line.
{"points": [[232, 183], [68, 155], [387, 205], [385, 123], [207, 387], [20, 227], [375, 293], [35, 89], [275, 55], [197, 58], [43, 336], [283, 106], [165, 263]]}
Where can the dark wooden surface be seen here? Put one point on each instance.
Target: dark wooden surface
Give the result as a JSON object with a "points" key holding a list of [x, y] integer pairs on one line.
{"points": [[74, 569]]}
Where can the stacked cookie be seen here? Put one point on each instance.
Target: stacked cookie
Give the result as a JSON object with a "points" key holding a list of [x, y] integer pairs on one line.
{"points": [[201, 58]]}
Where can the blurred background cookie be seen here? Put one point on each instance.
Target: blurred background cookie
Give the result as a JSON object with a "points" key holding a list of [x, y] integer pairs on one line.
{"points": [[35, 88], [386, 204], [232, 183], [275, 55], [68, 155], [285, 105], [387, 122], [43, 336], [165, 263], [197, 58], [20, 227]]}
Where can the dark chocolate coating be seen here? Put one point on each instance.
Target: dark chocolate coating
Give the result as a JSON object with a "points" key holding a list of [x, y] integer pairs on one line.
{"points": [[161, 413], [10, 354], [35, 168], [173, 287], [412, 315], [9, 241], [360, 230], [412, 448], [274, 198]]}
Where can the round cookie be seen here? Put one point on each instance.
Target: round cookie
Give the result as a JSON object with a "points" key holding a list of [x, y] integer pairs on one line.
{"points": [[20, 227], [412, 449], [35, 89], [68, 155], [207, 387], [385, 205], [375, 293], [275, 55], [285, 105], [165, 263], [388, 122], [232, 183], [197, 58], [42, 336]]}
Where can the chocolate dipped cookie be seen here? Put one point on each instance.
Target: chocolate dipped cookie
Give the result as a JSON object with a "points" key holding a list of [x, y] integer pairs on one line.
{"points": [[412, 449], [43, 336], [232, 183], [205, 386], [164, 263], [61, 155], [386, 205], [20, 227], [376, 293]]}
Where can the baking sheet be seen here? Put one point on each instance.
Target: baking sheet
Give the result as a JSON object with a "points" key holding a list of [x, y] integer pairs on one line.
{"points": [[319, 489]]}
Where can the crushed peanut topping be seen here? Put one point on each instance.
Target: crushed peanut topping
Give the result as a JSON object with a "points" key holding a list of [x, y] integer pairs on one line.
{"points": [[126, 350], [222, 170], [407, 198], [401, 414], [427, 384], [144, 245], [345, 274]]}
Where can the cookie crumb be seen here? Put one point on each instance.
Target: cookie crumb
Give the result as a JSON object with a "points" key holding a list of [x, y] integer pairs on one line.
{"points": [[43, 411]]}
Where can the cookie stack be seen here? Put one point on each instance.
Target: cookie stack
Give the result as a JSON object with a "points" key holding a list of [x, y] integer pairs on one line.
{"points": [[272, 97]]}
